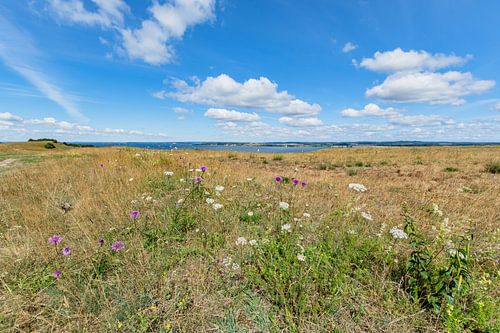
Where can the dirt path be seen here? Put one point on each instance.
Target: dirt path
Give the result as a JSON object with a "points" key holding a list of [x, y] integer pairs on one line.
{"points": [[6, 162]]}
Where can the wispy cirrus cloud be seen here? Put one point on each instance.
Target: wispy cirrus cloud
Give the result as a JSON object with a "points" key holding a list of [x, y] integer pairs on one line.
{"points": [[19, 53]]}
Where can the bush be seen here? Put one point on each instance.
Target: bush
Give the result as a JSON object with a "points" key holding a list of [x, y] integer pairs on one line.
{"points": [[49, 145], [450, 169], [493, 167], [277, 158]]}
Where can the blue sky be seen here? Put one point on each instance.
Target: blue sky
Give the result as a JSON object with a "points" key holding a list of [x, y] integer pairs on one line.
{"points": [[208, 70]]}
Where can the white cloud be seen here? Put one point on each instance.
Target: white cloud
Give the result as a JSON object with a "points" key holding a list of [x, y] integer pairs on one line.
{"points": [[231, 115], [169, 21], [108, 13], [18, 52], [435, 120], [348, 47], [224, 91], [7, 116], [180, 110], [433, 88], [300, 122], [399, 60], [497, 106], [370, 110]]}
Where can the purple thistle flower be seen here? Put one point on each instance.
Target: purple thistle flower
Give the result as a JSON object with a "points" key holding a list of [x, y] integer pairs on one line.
{"points": [[134, 214], [198, 180], [117, 246], [56, 239], [101, 241], [203, 168], [278, 179], [303, 184], [295, 181], [57, 273], [66, 251]]}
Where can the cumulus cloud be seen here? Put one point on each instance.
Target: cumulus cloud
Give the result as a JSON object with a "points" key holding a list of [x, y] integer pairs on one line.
{"points": [[348, 47], [434, 88], [7, 116], [300, 122], [224, 91], [398, 60], [370, 110], [231, 115], [395, 116], [108, 13], [169, 21]]}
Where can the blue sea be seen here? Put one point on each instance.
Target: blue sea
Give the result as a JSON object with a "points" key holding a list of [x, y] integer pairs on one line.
{"points": [[276, 147]]}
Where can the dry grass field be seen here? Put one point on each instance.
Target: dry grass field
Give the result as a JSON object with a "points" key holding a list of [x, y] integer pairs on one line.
{"points": [[145, 251]]}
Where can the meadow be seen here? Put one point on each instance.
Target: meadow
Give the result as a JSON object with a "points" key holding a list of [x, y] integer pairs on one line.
{"points": [[363, 239]]}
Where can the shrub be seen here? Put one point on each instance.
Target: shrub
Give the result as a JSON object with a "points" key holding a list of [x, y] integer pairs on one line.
{"points": [[493, 167], [277, 158], [49, 145], [450, 169]]}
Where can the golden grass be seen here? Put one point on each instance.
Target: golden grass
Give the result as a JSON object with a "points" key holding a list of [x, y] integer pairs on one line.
{"points": [[187, 291]]}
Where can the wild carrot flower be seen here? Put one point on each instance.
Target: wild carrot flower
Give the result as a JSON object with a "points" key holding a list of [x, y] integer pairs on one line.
{"points": [[168, 173], [252, 242], [284, 205], [250, 214], [56, 239], [210, 201], [278, 179], [57, 273], [217, 206], [301, 257], [134, 214], [219, 188], [398, 233], [117, 246], [286, 227], [66, 251], [306, 215], [241, 241]]}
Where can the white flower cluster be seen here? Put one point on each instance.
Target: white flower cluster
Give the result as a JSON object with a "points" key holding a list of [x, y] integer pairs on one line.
{"points": [[217, 206], [398, 233], [366, 216], [241, 241], [286, 227], [284, 205], [168, 173], [229, 264], [358, 187]]}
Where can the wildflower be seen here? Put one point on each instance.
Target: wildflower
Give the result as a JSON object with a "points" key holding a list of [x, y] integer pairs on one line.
{"points": [[197, 180], [182, 180], [219, 188], [210, 201], [56, 239], [203, 168], [168, 173], [398, 233], [235, 266], [101, 165], [217, 206], [241, 241], [119, 325], [366, 216], [57, 273], [301, 257], [250, 214], [286, 227], [303, 184], [249, 179], [252, 242], [284, 205], [436, 210], [130, 179], [358, 187], [101, 241], [66, 251], [180, 201], [117, 246], [306, 215], [134, 214], [295, 181], [278, 179]]}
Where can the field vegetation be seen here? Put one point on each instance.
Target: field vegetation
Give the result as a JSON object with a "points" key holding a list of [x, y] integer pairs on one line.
{"points": [[338, 240]]}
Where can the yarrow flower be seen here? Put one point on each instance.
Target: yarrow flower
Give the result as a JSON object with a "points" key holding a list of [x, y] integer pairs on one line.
{"points": [[286, 227], [217, 206], [117, 246], [301, 257], [250, 214], [284, 205], [306, 215], [134, 214], [210, 201], [57, 273], [252, 242], [241, 241], [66, 251], [219, 188], [398, 233], [358, 187], [56, 239], [278, 179], [168, 173]]}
